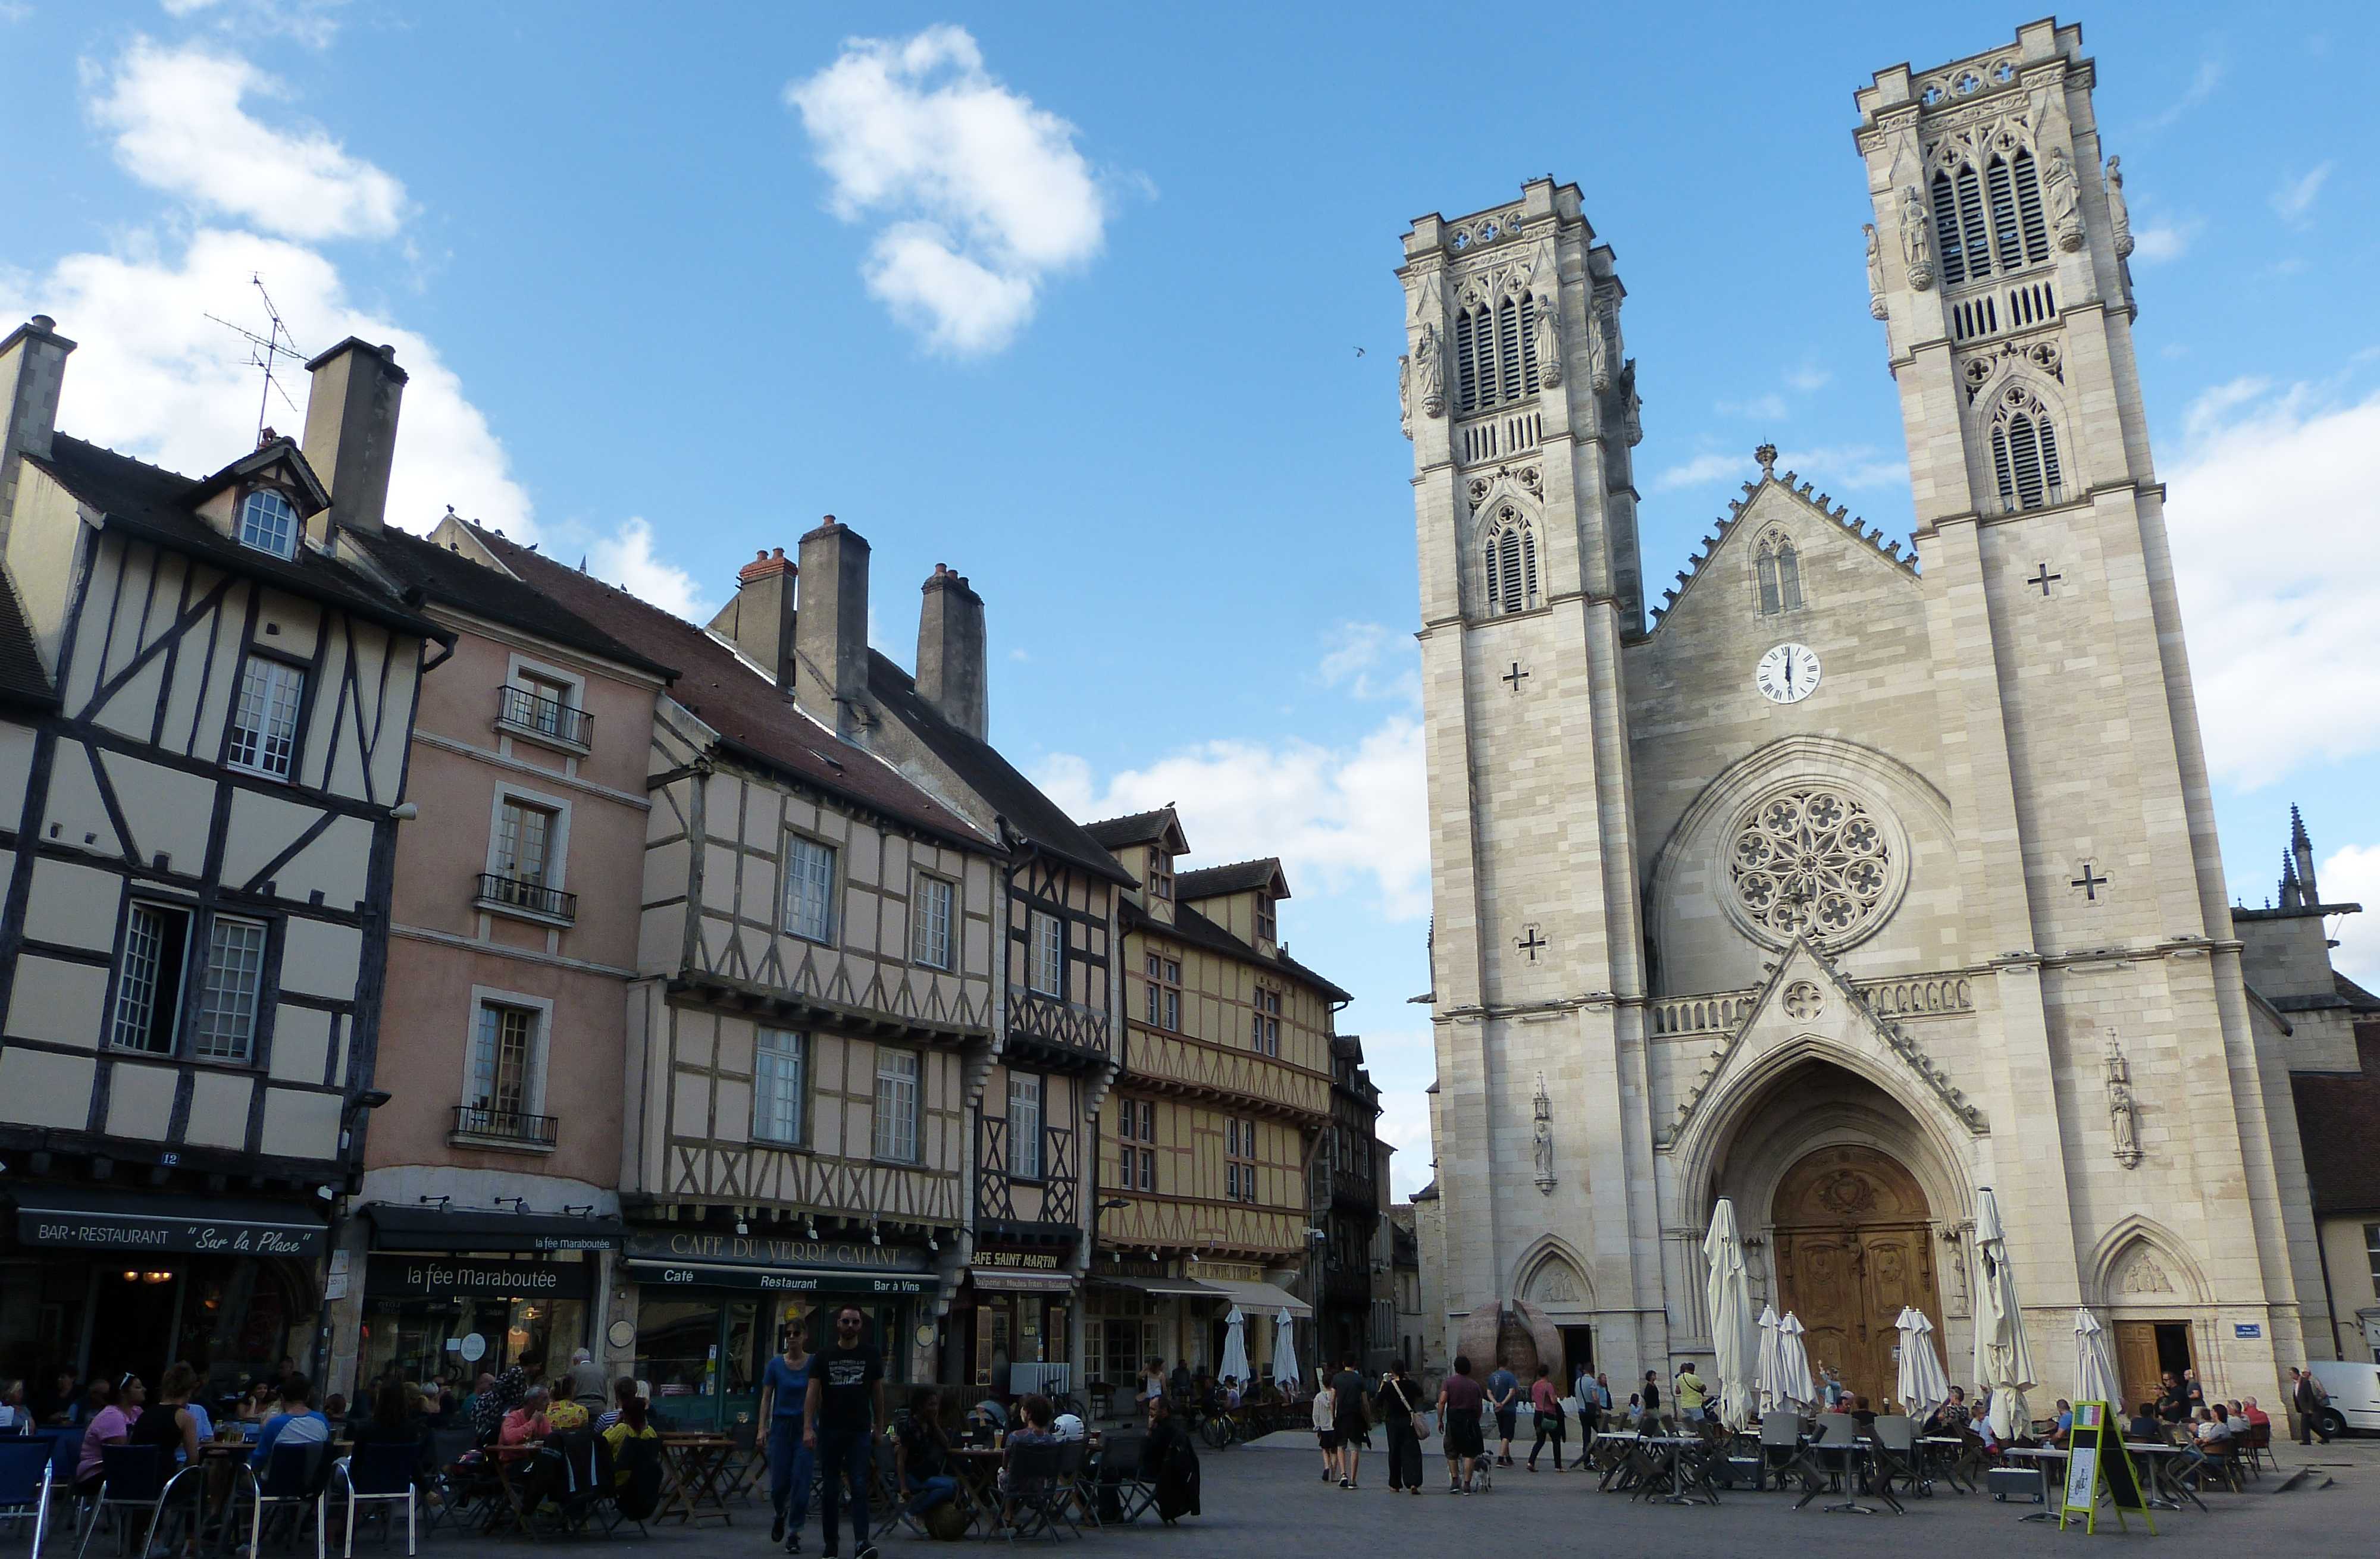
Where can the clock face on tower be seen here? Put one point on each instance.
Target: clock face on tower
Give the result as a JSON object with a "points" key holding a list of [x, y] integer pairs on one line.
{"points": [[1788, 673]]}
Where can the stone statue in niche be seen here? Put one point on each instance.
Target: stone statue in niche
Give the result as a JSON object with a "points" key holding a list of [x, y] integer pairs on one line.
{"points": [[2065, 215], [1547, 329], [1429, 371], [1405, 396], [1916, 242], [1600, 322], [1875, 272], [2120, 218], [2121, 1108], [1631, 413], [1541, 1141]]}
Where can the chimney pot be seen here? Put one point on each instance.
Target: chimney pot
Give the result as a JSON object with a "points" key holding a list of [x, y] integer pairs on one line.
{"points": [[43, 323], [33, 371], [951, 673], [351, 417], [830, 629]]}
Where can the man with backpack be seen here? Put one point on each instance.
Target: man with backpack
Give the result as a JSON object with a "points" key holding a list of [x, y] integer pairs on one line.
{"points": [[2308, 1397]]}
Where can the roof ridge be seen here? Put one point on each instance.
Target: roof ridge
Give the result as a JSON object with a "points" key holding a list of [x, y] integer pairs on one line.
{"points": [[113, 453]]}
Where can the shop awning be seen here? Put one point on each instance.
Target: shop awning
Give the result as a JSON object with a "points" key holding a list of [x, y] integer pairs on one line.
{"points": [[1260, 1297], [1165, 1288], [398, 1228], [1008, 1280], [89, 1218]]}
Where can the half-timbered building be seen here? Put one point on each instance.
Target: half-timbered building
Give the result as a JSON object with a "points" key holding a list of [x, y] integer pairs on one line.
{"points": [[201, 810], [816, 998], [1223, 1104], [1356, 1319]]}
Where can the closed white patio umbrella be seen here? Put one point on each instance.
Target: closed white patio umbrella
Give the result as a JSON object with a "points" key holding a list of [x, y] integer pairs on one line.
{"points": [[1735, 1334], [2095, 1373], [1923, 1383], [1235, 1347], [1284, 1349], [1770, 1358], [2003, 1357], [1796, 1385]]}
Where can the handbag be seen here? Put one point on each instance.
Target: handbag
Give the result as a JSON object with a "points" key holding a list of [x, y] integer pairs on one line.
{"points": [[1424, 1423], [1571, 1405]]}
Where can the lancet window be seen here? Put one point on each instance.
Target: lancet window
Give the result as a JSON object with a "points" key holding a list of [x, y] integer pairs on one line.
{"points": [[1780, 569], [1495, 352], [1511, 564], [2024, 453], [1989, 223]]}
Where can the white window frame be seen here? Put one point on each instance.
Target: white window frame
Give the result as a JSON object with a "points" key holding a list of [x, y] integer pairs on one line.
{"points": [[922, 894], [519, 670], [1028, 1094], [240, 1048], [1045, 953], [125, 974], [888, 1128], [797, 1045], [239, 521], [272, 672], [794, 844], [200, 948], [540, 1050], [557, 845]]}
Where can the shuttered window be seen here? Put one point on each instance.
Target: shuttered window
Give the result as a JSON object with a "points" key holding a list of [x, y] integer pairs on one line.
{"points": [[2001, 187], [1511, 565], [1496, 353]]}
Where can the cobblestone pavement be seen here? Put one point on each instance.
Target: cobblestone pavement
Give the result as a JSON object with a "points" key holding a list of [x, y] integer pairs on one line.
{"points": [[1271, 1502]]}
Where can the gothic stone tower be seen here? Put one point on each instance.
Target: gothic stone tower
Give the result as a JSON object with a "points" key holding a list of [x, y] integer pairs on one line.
{"points": [[1522, 407]]}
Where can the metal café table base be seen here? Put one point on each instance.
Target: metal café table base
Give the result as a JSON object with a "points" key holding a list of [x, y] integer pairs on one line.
{"points": [[1688, 1476], [2050, 1463], [2166, 1488]]}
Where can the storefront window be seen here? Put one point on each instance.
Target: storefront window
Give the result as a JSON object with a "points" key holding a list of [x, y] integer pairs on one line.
{"points": [[464, 1316], [704, 1355]]}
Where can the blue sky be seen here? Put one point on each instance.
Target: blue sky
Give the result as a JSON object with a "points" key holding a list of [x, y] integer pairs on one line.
{"points": [[1070, 298]]}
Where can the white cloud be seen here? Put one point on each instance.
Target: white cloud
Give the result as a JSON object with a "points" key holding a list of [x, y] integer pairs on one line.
{"points": [[625, 558], [1808, 379], [988, 193], [311, 22], [1702, 470], [2166, 240], [2296, 196], [179, 126], [1340, 819], [2280, 576], [1835, 467], [2352, 877], [14, 11], [1371, 661], [1770, 407], [2201, 87]]}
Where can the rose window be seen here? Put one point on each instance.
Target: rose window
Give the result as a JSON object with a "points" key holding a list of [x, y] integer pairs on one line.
{"points": [[1810, 862]]}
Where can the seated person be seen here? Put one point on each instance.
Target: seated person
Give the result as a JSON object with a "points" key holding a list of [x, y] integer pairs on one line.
{"points": [[1951, 1418], [564, 1415], [627, 1423], [1861, 1414], [525, 1426], [926, 1454], [624, 1391], [2064, 1429], [2145, 1428], [296, 1423], [1033, 1416], [396, 1421], [256, 1405], [2256, 1416], [167, 1422], [2210, 1437]]}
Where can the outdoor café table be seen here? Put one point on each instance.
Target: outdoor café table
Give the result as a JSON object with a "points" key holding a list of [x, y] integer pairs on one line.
{"points": [[978, 1469], [1689, 1477], [1614, 1451], [1937, 1457], [2050, 1462], [695, 1464], [2168, 1487]]}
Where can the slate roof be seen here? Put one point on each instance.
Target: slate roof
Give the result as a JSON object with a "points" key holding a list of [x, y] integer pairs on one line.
{"points": [[155, 504], [751, 715], [453, 579], [2339, 1124], [1190, 927], [1138, 828], [1009, 795], [1239, 876], [23, 679]]}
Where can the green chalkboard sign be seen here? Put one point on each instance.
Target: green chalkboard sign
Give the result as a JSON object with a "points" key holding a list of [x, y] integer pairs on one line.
{"points": [[2097, 1466]]}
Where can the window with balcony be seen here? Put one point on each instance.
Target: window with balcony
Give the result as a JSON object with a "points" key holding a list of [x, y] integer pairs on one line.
{"points": [[1025, 1095], [507, 1088], [896, 1106], [1164, 987], [778, 1072], [1264, 1024], [263, 738], [154, 975], [1239, 1159], [544, 706], [809, 888], [929, 922], [524, 859], [1046, 953]]}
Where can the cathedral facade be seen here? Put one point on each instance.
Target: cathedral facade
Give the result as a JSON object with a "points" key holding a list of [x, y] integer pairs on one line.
{"points": [[1839, 882]]}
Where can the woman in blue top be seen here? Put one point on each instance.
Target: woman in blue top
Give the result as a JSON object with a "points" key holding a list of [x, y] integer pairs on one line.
{"points": [[784, 1384]]}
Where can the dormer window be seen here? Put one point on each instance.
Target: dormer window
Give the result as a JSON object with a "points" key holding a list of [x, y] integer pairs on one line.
{"points": [[1160, 875], [268, 523], [1266, 927]]}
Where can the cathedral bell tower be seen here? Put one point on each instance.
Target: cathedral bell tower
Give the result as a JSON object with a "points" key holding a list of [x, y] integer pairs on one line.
{"points": [[1521, 402]]}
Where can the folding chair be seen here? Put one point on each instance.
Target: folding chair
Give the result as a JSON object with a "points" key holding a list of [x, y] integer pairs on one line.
{"points": [[25, 1477], [1035, 1493], [440, 1495], [1837, 1442], [1892, 1453], [522, 1482], [65, 1454], [1122, 1473], [892, 1488], [578, 1475], [637, 1479], [1781, 1451], [2259, 1447], [379, 1473], [1083, 1488], [748, 1466], [295, 1477]]}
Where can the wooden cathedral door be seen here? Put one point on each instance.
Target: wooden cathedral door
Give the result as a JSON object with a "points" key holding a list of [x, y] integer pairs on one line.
{"points": [[1853, 1247]]}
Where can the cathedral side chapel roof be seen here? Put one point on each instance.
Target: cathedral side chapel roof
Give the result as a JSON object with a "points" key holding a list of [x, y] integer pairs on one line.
{"points": [[1822, 506]]}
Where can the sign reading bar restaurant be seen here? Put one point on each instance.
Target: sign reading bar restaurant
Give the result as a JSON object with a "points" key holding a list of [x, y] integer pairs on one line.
{"points": [[446, 1277], [767, 1251], [141, 1230]]}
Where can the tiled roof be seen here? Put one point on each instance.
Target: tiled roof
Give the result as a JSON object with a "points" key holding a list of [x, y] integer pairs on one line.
{"points": [[1191, 926], [1239, 876], [454, 579], [1139, 828], [2339, 1124], [2355, 995], [979, 766], [728, 694], [23, 678], [155, 504]]}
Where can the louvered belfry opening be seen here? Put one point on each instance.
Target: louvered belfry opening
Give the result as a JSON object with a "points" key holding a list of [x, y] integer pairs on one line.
{"points": [[1994, 222], [2028, 207], [1511, 563], [1496, 353], [2024, 458]]}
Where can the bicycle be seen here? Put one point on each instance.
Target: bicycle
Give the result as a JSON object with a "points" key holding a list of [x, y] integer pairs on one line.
{"points": [[1220, 1430]]}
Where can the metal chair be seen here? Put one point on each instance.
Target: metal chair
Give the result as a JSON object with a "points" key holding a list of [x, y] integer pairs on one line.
{"points": [[381, 1473], [295, 1477], [26, 1470], [131, 1478], [1037, 1481], [1892, 1453], [1838, 1444], [1122, 1473], [1781, 1451]]}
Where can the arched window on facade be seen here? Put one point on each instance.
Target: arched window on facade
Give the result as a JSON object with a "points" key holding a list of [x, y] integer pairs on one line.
{"points": [[1779, 568], [1511, 564], [1495, 352], [2024, 453]]}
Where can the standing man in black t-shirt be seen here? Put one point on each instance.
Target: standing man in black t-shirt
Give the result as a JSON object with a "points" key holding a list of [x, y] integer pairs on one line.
{"points": [[1347, 1394], [844, 1404]]}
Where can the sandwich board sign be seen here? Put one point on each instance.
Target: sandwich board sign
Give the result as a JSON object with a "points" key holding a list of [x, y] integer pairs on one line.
{"points": [[2097, 1466]]}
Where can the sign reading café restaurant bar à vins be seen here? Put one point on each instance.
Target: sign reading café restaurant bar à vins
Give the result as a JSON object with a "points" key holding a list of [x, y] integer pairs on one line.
{"points": [[766, 1262]]}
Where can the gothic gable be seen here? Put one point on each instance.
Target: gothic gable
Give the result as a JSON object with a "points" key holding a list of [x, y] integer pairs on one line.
{"points": [[1726, 573]]}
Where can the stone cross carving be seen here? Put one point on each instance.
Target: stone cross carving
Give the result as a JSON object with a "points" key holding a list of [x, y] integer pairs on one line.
{"points": [[1429, 371], [1917, 243], [2120, 218], [2065, 219], [1874, 273], [2121, 1107], [1542, 1139]]}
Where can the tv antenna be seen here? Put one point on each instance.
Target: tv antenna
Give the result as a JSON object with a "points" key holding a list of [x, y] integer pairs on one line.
{"points": [[265, 352]]}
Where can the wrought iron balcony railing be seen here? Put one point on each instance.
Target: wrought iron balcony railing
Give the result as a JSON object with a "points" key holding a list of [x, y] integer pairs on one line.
{"points": [[512, 1126], [519, 709], [516, 893]]}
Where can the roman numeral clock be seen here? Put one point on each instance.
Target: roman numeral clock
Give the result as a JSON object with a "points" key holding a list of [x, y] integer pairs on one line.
{"points": [[1788, 673]]}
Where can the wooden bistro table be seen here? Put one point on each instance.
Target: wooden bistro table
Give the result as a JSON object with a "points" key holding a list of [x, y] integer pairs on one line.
{"points": [[695, 1464], [978, 1470]]}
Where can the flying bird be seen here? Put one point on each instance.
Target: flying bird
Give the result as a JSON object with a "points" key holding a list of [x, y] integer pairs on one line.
{"points": [[1359, 351]]}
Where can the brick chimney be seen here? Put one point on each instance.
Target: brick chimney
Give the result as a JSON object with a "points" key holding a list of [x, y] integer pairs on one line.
{"points": [[32, 368], [950, 653], [351, 431], [831, 629], [760, 619]]}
